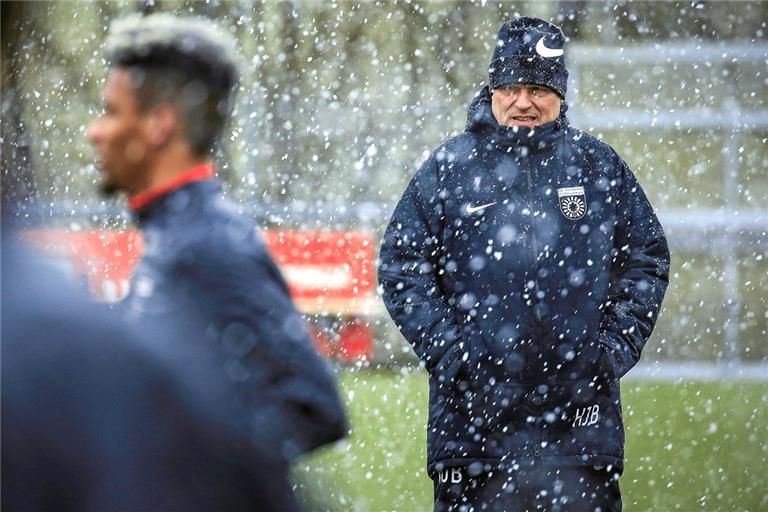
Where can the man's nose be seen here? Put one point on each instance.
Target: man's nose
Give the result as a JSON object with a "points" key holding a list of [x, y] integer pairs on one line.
{"points": [[523, 98], [92, 133]]}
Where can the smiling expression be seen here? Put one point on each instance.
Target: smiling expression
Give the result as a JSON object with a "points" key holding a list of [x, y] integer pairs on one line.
{"points": [[525, 105]]}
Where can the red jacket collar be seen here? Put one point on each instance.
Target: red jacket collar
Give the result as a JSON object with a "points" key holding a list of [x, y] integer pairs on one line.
{"points": [[197, 173]]}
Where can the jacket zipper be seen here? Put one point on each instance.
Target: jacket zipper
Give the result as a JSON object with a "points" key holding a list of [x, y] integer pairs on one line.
{"points": [[539, 433], [533, 235]]}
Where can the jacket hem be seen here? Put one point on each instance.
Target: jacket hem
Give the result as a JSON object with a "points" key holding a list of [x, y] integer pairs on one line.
{"points": [[554, 460]]}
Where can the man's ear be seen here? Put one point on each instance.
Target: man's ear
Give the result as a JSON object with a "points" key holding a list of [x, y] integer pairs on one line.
{"points": [[163, 123]]}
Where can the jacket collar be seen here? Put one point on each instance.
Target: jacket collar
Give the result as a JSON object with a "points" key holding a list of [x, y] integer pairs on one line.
{"points": [[521, 140], [141, 200]]}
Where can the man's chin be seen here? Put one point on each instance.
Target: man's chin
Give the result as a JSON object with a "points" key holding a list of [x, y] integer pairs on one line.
{"points": [[108, 189]]}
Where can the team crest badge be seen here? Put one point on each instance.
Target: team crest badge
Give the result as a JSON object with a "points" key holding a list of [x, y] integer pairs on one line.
{"points": [[573, 202]]}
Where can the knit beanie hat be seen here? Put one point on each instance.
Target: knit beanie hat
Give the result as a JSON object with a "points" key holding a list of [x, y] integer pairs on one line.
{"points": [[529, 51]]}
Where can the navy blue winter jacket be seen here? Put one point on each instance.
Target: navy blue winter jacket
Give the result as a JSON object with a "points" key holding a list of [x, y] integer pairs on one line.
{"points": [[97, 417], [206, 267], [526, 268]]}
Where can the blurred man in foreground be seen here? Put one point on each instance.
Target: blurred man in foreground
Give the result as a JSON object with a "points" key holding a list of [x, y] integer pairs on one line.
{"points": [[168, 95], [526, 267], [97, 417]]}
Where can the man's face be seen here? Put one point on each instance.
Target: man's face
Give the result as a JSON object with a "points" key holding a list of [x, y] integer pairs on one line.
{"points": [[525, 105], [119, 135]]}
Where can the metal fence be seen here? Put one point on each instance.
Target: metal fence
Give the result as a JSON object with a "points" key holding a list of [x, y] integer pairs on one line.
{"points": [[726, 232]]}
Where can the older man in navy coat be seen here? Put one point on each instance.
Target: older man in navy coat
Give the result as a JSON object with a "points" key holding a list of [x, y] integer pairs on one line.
{"points": [[526, 267]]}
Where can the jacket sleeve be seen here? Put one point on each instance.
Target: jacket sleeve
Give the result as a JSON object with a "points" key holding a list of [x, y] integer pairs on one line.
{"points": [[268, 354], [638, 278], [410, 261]]}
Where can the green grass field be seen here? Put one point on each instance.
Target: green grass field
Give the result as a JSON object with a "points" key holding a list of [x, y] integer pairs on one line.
{"points": [[690, 446]]}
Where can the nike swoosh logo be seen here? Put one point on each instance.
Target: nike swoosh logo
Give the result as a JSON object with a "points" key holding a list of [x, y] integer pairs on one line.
{"points": [[472, 209], [542, 50]]}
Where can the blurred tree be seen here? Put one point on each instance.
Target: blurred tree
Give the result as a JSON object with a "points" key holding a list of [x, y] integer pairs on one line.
{"points": [[569, 17], [339, 101], [18, 181]]}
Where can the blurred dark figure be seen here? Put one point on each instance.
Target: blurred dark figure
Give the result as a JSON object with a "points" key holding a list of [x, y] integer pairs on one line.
{"points": [[167, 98], [526, 267], [98, 418]]}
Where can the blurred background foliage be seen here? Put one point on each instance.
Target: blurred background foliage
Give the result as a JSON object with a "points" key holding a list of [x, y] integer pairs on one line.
{"points": [[341, 101]]}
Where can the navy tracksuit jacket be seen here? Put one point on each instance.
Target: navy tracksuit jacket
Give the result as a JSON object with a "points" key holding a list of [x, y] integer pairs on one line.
{"points": [[206, 268], [526, 268], [97, 416]]}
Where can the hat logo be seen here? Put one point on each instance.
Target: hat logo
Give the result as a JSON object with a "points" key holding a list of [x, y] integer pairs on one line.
{"points": [[542, 50]]}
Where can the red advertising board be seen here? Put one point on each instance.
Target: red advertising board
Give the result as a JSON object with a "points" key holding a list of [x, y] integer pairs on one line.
{"points": [[106, 258], [328, 273]]}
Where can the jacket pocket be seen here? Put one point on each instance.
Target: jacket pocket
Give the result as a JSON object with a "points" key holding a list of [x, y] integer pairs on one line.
{"points": [[584, 418], [464, 366], [606, 366], [502, 407], [447, 368]]}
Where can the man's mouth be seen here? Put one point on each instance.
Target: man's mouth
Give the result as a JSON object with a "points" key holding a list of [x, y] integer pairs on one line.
{"points": [[524, 118]]}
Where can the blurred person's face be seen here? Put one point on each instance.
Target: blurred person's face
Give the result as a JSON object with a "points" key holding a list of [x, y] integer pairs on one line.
{"points": [[120, 136], [525, 105]]}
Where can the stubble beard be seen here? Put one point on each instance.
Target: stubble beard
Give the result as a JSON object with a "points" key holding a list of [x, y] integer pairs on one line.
{"points": [[108, 189]]}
